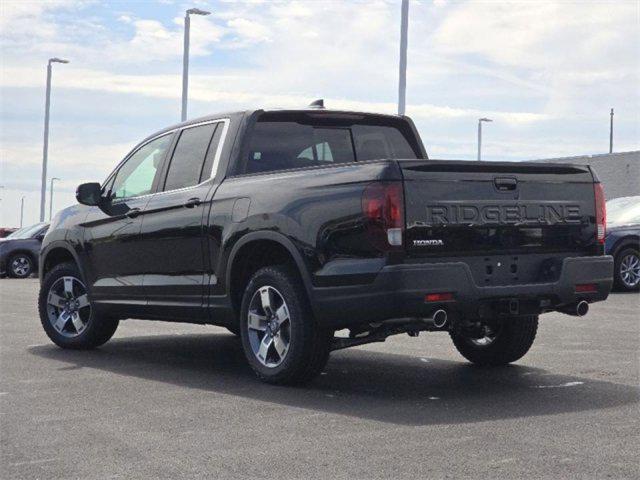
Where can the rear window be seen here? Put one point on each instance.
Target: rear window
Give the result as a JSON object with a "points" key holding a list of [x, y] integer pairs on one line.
{"points": [[298, 143]]}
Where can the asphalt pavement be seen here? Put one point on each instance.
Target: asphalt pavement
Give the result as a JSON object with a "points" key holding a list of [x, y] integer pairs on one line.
{"points": [[170, 400]]}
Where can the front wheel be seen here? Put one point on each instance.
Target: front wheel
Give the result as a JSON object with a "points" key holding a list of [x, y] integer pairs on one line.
{"points": [[280, 337], [66, 313], [505, 342]]}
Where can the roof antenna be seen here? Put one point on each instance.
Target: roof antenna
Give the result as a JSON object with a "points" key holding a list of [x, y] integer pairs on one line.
{"points": [[317, 104]]}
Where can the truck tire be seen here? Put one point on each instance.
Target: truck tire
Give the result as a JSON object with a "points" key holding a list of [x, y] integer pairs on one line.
{"points": [[510, 343], [626, 271], [281, 339], [66, 313]]}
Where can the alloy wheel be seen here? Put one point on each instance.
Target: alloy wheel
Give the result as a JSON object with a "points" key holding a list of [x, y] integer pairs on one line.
{"points": [[630, 270], [20, 266], [269, 326], [68, 306]]}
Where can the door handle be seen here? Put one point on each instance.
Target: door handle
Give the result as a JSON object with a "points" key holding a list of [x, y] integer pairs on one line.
{"points": [[505, 184], [133, 212], [192, 202]]}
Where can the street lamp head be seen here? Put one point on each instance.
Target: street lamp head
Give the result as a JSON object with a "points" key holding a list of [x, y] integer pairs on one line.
{"points": [[197, 11], [485, 120], [58, 60]]}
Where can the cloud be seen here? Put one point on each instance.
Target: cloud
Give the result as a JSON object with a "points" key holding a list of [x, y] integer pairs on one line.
{"points": [[546, 72], [153, 41], [238, 94], [249, 30], [67, 158], [87, 41], [540, 34], [30, 16]]}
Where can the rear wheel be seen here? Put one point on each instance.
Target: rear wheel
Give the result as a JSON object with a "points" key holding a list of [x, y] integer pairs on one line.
{"points": [[20, 265], [506, 342], [280, 337], [627, 269], [66, 313]]}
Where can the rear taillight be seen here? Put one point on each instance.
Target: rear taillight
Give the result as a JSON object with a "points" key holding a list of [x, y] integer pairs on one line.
{"points": [[601, 213], [383, 208]]}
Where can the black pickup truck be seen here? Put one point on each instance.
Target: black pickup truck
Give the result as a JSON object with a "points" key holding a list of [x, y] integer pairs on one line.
{"points": [[288, 226]]}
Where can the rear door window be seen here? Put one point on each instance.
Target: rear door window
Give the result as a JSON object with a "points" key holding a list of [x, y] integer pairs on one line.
{"points": [[187, 162]]}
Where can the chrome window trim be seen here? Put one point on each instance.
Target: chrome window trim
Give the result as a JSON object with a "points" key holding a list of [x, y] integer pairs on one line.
{"points": [[214, 166]]}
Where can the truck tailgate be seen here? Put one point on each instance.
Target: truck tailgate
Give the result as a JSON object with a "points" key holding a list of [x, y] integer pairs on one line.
{"points": [[506, 209]]}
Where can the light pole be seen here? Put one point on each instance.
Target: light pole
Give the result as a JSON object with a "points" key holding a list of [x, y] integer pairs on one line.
{"points": [[51, 197], [21, 210], [402, 78], [45, 148], [480, 120], [611, 133], [185, 58]]}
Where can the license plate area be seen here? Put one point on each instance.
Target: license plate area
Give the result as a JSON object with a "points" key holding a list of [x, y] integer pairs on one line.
{"points": [[503, 270]]}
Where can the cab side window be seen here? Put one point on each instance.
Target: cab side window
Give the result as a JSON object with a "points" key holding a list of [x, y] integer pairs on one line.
{"points": [[187, 162], [135, 177]]}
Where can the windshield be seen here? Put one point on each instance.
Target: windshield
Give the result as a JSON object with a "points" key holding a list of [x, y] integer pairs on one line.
{"points": [[27, 232], [623, 211]]}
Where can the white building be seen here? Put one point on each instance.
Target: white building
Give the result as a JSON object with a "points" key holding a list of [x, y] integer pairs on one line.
{"points": [[619, 172]]}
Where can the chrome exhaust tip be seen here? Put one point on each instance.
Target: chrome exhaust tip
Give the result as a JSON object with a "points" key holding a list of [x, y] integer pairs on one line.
{"points": [[439, 318], [582, 308]]}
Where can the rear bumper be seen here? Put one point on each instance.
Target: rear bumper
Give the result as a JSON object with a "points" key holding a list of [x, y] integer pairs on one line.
{"points": [[398, 291]]}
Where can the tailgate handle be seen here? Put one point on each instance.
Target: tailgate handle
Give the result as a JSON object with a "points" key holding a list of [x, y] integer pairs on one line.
{"points": [[505, 184]]}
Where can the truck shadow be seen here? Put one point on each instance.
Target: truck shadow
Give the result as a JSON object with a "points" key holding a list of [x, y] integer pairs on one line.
{"points": [[378, 386]]}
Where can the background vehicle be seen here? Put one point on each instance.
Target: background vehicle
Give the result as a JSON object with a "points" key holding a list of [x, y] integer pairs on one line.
{"points": [[286, 226], [5, 232], [623, 241], [19, 252]]}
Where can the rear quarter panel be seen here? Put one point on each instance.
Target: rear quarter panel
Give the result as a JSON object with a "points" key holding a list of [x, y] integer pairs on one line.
{"points": [[319, 210]]}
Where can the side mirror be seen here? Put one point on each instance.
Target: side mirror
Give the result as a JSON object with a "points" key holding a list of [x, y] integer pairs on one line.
{"points": [[89, 194], [40, 236]]}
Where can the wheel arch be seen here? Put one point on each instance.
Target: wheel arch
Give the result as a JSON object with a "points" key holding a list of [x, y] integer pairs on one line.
{"points": [[55, 254], [258, 249], [624, 242], [26, 252]]}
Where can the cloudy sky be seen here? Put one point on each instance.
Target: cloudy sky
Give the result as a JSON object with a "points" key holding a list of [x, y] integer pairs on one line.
{"points": [[546, 72]]}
